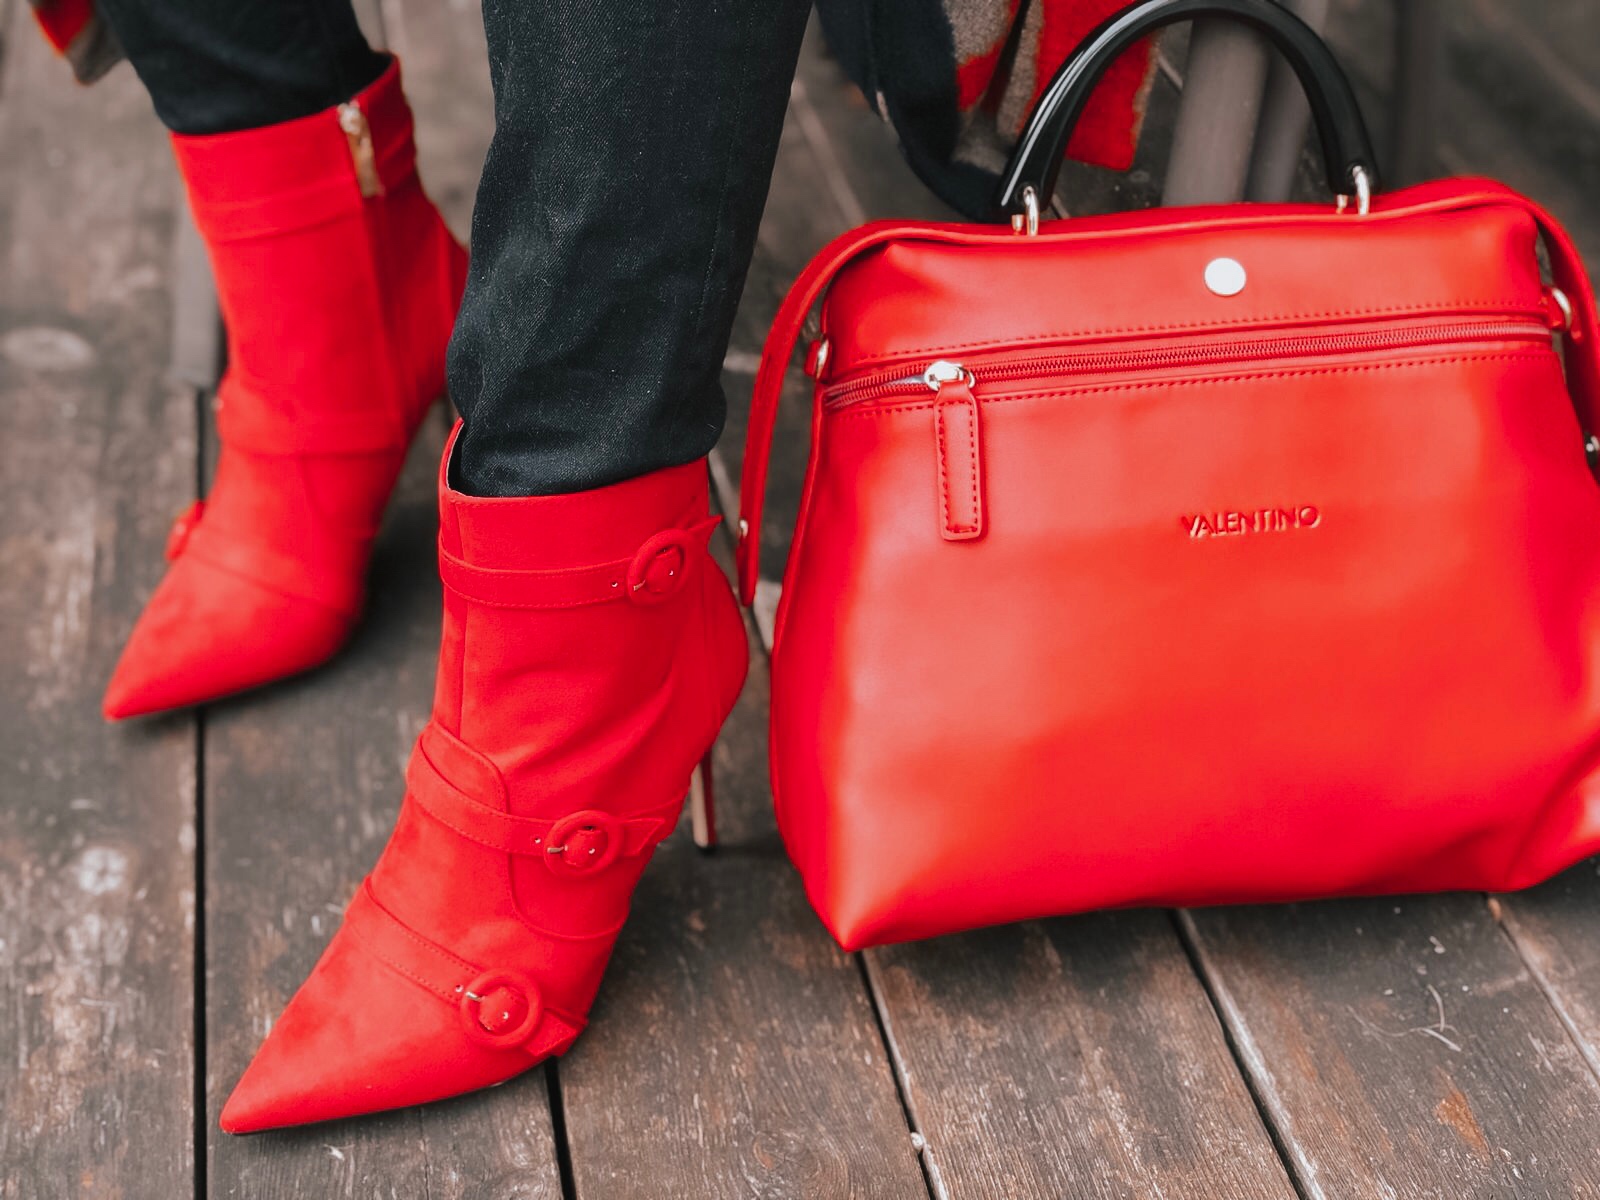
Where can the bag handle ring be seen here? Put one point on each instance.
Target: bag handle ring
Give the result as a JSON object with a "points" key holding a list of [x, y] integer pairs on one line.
{"points": [[1035, 164]]}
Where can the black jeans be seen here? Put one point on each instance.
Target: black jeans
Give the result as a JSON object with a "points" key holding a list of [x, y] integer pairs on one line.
{"points": [[615, 219]]}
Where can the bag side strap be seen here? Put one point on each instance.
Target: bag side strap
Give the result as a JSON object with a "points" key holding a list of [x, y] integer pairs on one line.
{"points": [[1583, 357], [775, 355]]}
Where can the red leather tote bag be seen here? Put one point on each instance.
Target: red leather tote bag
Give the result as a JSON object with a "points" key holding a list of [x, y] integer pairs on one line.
{"points": [[1211, 555]]}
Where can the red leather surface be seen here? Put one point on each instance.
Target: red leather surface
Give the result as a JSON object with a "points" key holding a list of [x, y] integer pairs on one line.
{"points": [[558, 755], [1300, 626], [338, 308]]}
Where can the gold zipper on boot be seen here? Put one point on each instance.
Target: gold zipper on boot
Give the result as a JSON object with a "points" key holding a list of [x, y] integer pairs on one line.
{"points": [[359, 134]]}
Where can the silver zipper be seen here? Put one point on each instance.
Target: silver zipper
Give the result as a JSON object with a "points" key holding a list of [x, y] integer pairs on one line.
{"points": [[1220, 352], [942, 372]]}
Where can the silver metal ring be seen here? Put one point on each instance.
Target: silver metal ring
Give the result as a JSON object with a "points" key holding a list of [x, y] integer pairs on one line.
{"points": [[1027, 221], [1363, 196], [1564, 303], [821, 350]]}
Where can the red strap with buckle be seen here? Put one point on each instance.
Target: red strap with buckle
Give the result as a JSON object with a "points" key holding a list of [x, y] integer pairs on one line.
{"points": [[654, 573], [579, 843], [501, 1008]]}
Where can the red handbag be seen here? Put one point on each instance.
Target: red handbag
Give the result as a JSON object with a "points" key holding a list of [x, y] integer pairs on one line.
{"points": [[1231, 554]]}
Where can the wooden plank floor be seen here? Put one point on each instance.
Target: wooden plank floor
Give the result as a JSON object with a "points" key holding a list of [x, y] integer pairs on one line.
{"points": [[164, 886], [97, 844]]}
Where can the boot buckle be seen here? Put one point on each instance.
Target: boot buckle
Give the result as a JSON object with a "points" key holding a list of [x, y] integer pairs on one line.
{"points": [[584, 842], [500, 1008], [658, 569]]}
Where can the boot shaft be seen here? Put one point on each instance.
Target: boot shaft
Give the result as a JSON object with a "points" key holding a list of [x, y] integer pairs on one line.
{"points": [[587, 639], [333, 270]]}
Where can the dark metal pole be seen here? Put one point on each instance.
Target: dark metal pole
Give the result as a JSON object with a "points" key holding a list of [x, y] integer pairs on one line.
{"points": [[1223, 83], [1418, 74], [1285, 119]]}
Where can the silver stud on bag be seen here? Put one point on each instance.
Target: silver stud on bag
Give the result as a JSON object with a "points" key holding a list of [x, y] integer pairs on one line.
{"points": [[1225, 276]]}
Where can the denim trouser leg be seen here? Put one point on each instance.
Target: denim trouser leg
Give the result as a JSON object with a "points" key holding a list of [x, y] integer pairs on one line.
{"points": [[633, 145]]}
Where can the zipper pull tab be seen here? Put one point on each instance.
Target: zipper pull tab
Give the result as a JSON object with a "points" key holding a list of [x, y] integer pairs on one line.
{"points": [[358, 133], [959, 449]]}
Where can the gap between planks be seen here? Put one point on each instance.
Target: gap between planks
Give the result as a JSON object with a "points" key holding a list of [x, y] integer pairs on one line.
{"points": [[1521, 943], [891, 1047], [200, 399]]}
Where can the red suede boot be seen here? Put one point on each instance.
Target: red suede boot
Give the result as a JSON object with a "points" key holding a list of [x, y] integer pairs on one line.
{"points": [[591, 650], [339, 284]]}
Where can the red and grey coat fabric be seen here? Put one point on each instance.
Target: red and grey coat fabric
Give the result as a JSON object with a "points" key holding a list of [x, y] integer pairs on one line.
{"points": [[80, 35], [956, 78]]}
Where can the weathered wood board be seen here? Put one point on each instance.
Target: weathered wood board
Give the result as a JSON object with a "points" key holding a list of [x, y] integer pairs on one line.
{"points": [[1400, 1047], [97, 878]]}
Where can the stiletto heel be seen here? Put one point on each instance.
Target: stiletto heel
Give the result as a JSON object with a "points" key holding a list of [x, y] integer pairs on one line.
{"points": [[702, 806]]}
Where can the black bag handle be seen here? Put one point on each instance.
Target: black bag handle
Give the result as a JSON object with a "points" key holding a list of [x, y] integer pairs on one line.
{"points": [[1346, 147]]}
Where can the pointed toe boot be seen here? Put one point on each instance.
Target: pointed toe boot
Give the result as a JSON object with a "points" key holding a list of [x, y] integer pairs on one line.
{"points": [[339, 284], [591, 650]]}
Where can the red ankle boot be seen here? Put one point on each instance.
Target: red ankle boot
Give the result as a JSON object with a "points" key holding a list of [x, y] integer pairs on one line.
{"points": [[591, 650], [339, 283]]}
